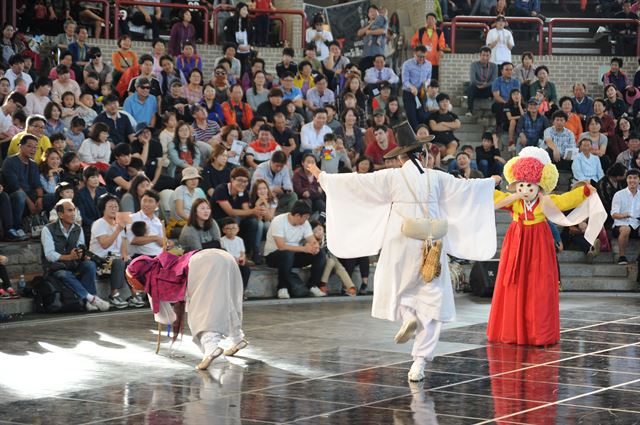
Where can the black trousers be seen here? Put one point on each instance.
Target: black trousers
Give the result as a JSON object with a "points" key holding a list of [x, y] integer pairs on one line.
{"points": [[351, 263], [284, 261], [474, 92]]}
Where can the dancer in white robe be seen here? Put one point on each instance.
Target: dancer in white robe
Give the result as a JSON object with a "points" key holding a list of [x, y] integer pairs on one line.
{"points": [[364, 216]]}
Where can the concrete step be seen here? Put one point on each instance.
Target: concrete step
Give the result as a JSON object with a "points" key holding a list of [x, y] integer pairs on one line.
{"points": [[570, 40], [598, 284], [593, 270], [16, 307], [579, 257], [575, 51]]}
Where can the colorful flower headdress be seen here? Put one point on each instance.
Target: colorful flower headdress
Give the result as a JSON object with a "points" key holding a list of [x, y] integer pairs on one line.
{"points": [[533, 165]]}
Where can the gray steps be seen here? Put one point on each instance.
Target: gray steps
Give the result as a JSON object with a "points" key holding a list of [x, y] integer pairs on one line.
{"points": [[570, 40], [575, 51], [578, 257], [565, 30], [598, 284], [593, 270]]}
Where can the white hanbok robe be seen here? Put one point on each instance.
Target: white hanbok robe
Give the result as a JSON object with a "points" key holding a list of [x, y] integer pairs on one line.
{"points": [[214, 294], [364, 216]]}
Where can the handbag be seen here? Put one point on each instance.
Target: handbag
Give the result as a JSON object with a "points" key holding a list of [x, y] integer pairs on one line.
{"points": [[34, 224], [426, 229]]}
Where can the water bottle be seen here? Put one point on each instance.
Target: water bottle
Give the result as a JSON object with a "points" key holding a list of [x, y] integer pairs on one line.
{"points": [[22, 284]]}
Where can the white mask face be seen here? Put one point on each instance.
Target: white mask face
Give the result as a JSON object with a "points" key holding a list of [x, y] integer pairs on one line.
{"points": [[530, 190]]}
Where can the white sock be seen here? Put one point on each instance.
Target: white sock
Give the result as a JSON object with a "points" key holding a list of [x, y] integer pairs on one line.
{"points": [[92, 299], [209, 342]]}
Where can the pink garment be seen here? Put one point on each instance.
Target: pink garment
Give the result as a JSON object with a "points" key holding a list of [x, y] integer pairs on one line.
{"points": [[164, 277]]}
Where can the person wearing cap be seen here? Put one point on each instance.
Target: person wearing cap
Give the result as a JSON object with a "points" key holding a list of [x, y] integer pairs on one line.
{"points": [[183, 197], [442, 123], [142, 105], [120, 128], [382, 98], [416, 73], [531, 126], [365, 215], [379, 118]]}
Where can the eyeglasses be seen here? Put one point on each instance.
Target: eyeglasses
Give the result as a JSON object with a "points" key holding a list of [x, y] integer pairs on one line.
{"points": [[221, 73], [97, 55], [40, 126], [145, 87]]}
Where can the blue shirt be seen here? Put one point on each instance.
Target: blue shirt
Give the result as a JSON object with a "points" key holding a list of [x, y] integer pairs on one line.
{"points": [[141, 112], [88, 206], [294, 94], [563, 140], [582, 108], [415, 74], [505, 86], [533, 130], [584, 168], [529, 5]]}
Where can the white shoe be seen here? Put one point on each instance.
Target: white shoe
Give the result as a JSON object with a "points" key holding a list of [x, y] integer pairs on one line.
{"points": [[407, 331], [468, 114], [448, 158], [283, 294], [208, 358], [100, 303], [416, 373], [316, 292], [90, 307], [236, 347]]}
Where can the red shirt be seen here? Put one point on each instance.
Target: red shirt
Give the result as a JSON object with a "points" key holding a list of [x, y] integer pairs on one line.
{"points": [[376, 154]]}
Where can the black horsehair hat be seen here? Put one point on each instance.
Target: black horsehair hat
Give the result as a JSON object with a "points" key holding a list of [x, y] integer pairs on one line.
{"points": [[407, 140]]}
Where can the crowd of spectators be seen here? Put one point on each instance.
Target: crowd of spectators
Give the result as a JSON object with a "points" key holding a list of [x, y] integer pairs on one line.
{"points": [[218, 160]]}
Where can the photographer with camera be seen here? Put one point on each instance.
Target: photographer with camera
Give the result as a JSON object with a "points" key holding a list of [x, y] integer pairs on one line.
{"points": [[108, 249], [65, 256]]}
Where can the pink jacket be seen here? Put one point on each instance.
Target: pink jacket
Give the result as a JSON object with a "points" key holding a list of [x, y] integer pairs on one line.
{"points": [[164, 277]]}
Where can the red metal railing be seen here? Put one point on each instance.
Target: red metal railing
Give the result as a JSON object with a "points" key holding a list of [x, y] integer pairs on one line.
{"points": [[14, 17], [597, 21], [118, 3], [229, 8], [456, 21], [443, 25]]}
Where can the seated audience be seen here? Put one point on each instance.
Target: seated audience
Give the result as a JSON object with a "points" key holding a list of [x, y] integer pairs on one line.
{"points": [[586, 167], [152, 242], [131, 200], [96, 150], [560, 140], [201, 231], [307, 187], [277, 175], [183, 197], [381, 146], [261, 149], [624, 211], [117, 177], [442, 124], [234, 245], [490, 163], [284, 249]]}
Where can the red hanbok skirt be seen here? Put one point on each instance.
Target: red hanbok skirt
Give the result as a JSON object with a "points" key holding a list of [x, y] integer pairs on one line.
{"points": [[525, 306]]}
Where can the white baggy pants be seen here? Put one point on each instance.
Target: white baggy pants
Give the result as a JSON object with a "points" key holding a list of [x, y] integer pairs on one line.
{"points": [[427, 333]]}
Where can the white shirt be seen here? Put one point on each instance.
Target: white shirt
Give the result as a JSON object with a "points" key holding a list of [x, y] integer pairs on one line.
{"points": [[292, 235], [36, 104], [502, 52], [5, 121], [624, 202], [187, 198], [321, 47], [101, 227], [311, 139], [154, 228], [11, 76], [584, 168], [233, 246], [92, 152]]}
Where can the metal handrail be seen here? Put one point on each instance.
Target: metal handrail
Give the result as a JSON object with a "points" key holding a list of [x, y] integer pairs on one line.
{"points": [[599, 21], [205, 36], [229, 8], [462, 25], [14, 16], [455, 22]]}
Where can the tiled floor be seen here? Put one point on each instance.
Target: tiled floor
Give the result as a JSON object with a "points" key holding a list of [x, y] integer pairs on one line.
{"points": [[324, 363]]}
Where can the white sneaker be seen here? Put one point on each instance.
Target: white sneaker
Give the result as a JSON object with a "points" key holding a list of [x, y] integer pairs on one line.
{"points": [[100, 303], [407, 331], [283, 294], [468, 114], [448, 158], [316, 292], [90, 307], [416, 373]]}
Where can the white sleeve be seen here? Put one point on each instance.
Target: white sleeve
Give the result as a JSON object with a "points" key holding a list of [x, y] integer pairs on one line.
{"points": [[615, 204]]}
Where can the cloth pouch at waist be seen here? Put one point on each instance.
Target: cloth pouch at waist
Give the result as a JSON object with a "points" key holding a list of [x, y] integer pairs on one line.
{"points": [[424, 228]]}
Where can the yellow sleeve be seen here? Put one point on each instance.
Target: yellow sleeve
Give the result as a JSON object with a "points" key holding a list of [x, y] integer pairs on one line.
{"points": [[570, 200], [499, 195], [43, 145], [14, 144]]}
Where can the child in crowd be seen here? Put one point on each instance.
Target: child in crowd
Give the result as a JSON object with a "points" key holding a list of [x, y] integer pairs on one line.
{"points": [[68, 108], [167, 135], [105, 91], [139, 229], [75, 133], [332, 263], [65, 191], [85, 108], [332, 153], [18, 123], [6, 290], [295, 121], [468, 149], [59, 143], [20, 85], [513, 110], [490, 163], [234, 245], [332, 120]]}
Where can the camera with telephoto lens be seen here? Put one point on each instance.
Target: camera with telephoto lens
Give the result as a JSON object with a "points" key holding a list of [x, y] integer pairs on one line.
{"points": [[93, 257]]}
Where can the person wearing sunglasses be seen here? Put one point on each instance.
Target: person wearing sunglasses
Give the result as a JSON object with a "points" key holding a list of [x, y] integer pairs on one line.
{"points": [[142, 105], [97, 65]]}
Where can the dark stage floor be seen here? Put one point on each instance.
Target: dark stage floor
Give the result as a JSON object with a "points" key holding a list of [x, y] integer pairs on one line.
{"points": [[324, 363]]}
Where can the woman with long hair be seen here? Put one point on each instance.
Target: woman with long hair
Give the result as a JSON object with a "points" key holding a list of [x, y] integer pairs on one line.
{"points": [[239, 29], [131, 200], [266, 203], [354, 85], [599, 141], [211, 105], [201, 231], [183, 152], [351, 134], [193, 90], [618, 143], [257, 93], [54, 123], [182, 32], [50, 170], [95, 149], [394, 112]]}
